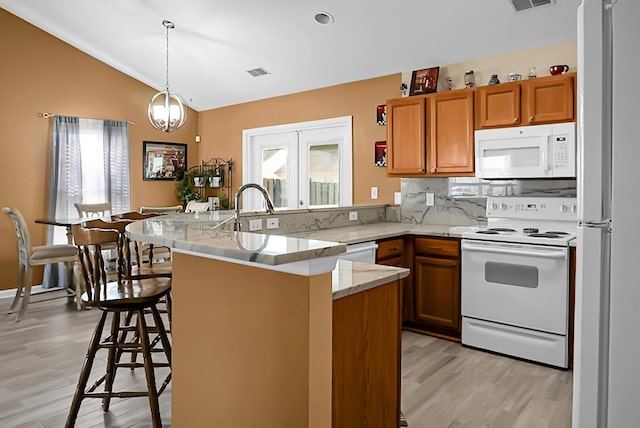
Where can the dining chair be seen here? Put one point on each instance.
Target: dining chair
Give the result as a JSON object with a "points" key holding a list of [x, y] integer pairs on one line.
{"points": [[194, 206], [29, 256], [93, 210], [175, 209], [114, 299]]}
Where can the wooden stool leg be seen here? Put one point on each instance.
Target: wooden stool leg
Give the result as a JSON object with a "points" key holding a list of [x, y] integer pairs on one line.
{"points": [[166, 345], [111, 361], [86, 371], [143, 336]]}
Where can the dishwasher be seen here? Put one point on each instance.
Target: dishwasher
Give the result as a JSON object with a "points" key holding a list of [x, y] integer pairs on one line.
{"points": [[362, 252]]}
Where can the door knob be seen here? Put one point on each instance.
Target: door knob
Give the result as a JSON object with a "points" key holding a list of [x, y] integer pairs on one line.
{"points": [[301, 203], [433, 170]]}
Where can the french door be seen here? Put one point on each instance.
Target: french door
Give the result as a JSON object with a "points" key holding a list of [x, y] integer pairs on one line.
{"points": [[302, 165]]}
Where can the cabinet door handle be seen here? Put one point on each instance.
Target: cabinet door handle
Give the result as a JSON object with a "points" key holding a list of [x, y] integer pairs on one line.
{"points": [[421, 170], [394, 249], [530, 119], [515, 120], [433, 170], [435, 248]]}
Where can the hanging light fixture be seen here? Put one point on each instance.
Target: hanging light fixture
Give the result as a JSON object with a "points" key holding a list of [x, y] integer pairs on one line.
{"points": [[166, 110]]}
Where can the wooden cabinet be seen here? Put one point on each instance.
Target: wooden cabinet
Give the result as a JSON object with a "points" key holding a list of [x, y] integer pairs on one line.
{"points": [[529, 102], [406, 149], [450, 133], [549, 100], [399, 252], [436, 287], [498, 105], [366, 358], [431, 135]]}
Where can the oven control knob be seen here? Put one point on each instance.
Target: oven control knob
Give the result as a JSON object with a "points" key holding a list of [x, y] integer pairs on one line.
{"points": [[494, 206], [574, 208], [564, 208], [503, 206]]}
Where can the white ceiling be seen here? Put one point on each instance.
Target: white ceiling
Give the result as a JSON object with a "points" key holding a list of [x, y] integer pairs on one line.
{"points": [[215, 42]]}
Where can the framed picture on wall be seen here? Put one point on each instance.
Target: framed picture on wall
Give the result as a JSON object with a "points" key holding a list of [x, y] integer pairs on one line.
{"points": [[380, 153], [424, 81], [163, 161]]}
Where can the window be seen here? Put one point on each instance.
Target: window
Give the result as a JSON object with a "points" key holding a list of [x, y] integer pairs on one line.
{"points": [[89, 164], [302, 165]]}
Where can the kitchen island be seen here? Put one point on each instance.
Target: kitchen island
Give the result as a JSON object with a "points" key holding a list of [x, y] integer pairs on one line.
{"points": [[254, 327]]}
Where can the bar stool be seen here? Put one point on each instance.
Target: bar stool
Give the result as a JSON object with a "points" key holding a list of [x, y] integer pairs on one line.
{"points": [[30, 256], [116, 298]]}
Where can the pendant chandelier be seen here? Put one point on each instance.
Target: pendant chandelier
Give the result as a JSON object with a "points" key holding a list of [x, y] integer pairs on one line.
{"points": [[166, 110]]}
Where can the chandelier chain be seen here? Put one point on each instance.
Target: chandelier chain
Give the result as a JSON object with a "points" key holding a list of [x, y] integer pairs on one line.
{"points": [[167, 27]]}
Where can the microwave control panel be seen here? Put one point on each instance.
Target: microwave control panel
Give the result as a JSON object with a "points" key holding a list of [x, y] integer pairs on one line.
{"points": [[560, 153]]}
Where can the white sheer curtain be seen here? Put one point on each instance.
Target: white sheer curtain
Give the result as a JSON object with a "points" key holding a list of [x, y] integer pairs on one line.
{"points": [[89, 164]]}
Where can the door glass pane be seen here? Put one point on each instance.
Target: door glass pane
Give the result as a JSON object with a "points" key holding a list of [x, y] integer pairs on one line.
{"points": [[324, 176], [274, 175]]}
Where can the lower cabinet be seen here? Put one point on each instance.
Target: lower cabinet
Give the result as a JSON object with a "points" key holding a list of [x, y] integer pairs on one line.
{"points": [[436, 288], [366, 358], [399, 252]]}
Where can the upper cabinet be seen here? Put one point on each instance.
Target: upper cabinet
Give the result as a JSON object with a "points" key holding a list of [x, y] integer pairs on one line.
{"points": [[450, 133], [406, 150], [528, 102], [431, 135]]}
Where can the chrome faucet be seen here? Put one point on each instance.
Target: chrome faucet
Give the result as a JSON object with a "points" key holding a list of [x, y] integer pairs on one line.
{"points": [[265, 195]]}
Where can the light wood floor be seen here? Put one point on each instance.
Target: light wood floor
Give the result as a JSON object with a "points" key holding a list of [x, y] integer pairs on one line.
{"points": [[444, 385]]}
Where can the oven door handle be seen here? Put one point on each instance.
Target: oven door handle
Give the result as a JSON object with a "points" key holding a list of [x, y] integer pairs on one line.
{"points": [[516, 251]]}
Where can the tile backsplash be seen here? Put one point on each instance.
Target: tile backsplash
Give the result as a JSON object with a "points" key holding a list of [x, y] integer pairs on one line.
{"points": [[462, 201]]}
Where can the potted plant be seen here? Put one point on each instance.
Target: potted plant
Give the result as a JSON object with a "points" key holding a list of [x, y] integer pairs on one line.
{"points": [[185, 189]]}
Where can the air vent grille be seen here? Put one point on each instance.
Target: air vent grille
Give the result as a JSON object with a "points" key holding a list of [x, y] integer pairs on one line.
{"points": [[256, 72], [520, 5]]}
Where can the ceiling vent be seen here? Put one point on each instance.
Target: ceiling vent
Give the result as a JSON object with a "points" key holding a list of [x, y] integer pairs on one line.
{"points": [[256, 72], [520, 5]]}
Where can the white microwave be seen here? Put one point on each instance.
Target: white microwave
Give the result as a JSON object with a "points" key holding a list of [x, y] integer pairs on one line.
{"points": [[541, 151]]}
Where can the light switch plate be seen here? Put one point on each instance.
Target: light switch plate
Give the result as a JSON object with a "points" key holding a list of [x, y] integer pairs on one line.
{"points": [[273, 223], [397, 198], [430, 200], [374, 193], [255, 225], [353, 215]]}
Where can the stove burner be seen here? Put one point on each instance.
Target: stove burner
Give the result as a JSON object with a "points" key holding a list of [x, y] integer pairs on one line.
{"points": [[501, 229], [555, 232], [488, 232], [545, 235]]}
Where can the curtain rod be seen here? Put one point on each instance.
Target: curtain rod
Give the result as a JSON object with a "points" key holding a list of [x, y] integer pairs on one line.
{"points": [[46, 115]]}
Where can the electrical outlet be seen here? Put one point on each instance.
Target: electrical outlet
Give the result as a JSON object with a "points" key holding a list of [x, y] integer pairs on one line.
{"points": [[353, 215], [430, 200], [397, 198], [255, 225], [273, 223], [374, 193]]}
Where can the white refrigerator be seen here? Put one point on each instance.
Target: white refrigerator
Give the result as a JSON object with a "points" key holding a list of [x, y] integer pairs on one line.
{"points": [[606, 389]]}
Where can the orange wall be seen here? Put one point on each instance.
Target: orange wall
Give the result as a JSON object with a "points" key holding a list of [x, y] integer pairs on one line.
{"points": [[221, 129], [41, 73]]}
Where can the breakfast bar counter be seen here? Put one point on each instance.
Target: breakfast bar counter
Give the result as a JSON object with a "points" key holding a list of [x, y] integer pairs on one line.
{"points": [[254, 321]]}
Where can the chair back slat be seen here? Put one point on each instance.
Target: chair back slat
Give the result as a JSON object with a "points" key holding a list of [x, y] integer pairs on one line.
{"points": [[93, 210], [92, 264], [22, 232]]}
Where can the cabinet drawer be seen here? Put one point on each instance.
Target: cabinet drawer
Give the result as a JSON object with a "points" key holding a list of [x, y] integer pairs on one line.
{"points": [[390, 248], [437, 246]]}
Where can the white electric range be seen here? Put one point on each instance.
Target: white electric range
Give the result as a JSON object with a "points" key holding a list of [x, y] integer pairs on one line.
{"points": [[515, 278]]}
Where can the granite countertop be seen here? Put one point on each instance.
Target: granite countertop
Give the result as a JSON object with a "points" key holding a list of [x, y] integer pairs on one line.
{"points": [[197, 233], [376, 231], [354, 277]]}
